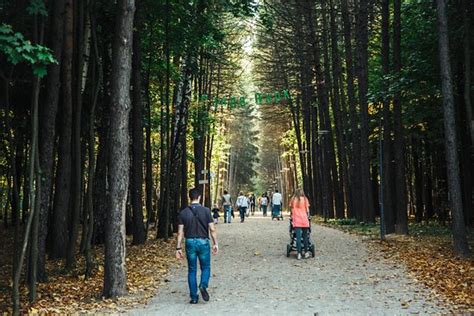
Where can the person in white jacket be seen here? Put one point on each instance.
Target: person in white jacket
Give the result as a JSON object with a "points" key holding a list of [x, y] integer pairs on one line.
{"points": [[242, 203]]}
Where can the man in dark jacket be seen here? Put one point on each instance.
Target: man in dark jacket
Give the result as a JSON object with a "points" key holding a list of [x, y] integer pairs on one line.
{"points": [[195, 223]]}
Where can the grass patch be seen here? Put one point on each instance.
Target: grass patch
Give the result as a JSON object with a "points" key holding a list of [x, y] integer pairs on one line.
{"points": [[351, 225], [430, 228]]}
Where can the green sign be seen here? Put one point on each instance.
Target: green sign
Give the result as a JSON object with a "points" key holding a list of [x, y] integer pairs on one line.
{"points": [[260, 98]]}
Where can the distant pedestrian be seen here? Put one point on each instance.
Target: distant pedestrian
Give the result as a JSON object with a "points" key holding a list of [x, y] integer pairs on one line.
{"points": [[299, 206], [276, 204], [264, 203], [226, 202], [195, 224], [215, 214], [252, 199], [242, 203]]}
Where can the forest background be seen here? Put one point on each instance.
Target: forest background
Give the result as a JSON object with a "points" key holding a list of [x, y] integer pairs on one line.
{"points": [[105, 128]]}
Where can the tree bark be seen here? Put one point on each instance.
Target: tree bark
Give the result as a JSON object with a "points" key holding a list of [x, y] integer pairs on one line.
{"points": [[418, 174], [467, 160], [63, 173], [97, 79], [355, 175], [387, 178], [467, 15], [136, 183], [339, 114], [401, 225], [115, 276], [461, 247], [77, 174], [172, 193], [362, 40], [47, 133], [150, 210]]}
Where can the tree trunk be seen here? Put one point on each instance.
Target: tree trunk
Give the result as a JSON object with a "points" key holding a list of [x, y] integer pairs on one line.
{"points": [[63, 173], [355, 175], [77, 174], [150, 211], [467, 15], [362, 41], [339, 113], [97, 79], [387, 179], [427, 180], [136, 183], [461, 247], [100, 194], [115, 276], [183, 98], [418, 173], [101, 187], [335, 197], [467, 152], [401, 225], [47, 133]]}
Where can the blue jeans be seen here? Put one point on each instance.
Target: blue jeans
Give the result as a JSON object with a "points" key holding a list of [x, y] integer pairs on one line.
{"points": [[198, 248], [276, 210], [242, 210], [264, 209], [301, 231], [227, 214]]}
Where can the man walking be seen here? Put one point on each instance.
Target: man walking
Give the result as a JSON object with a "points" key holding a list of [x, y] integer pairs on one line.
{"points": [[242, 203], [276, 204], [195, 224], [226, 202]]}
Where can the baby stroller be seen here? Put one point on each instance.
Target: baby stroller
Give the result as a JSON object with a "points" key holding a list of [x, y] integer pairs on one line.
{"points": [[292, 245], [277, 213]]}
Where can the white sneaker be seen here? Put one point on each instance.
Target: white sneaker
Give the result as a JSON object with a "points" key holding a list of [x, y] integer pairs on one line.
{"points": [[306, 255], [298, 257]]}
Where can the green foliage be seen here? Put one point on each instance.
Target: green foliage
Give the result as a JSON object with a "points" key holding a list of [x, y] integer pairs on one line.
{"points": [[18, 50], [351, 225], [343, 221], [241, 8], [418, 82], [243, 141], [37, 7]]}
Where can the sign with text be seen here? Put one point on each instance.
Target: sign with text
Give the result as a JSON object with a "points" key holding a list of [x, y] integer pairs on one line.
{"points": [[232, 102]]}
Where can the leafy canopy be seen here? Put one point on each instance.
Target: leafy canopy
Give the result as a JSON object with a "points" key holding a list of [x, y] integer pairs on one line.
{"points": [[17, 50]]}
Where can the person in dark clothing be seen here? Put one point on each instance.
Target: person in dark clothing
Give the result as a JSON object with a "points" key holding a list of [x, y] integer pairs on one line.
{"points": [[195, 224], [215, 214], [252, 199]]}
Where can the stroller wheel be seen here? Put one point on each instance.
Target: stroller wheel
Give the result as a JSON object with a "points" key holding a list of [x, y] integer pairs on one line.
{"points": [[312, 251], [288, 250]]}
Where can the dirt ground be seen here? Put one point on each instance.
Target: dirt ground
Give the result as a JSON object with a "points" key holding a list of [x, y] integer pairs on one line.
{"points": [[251, 275]]}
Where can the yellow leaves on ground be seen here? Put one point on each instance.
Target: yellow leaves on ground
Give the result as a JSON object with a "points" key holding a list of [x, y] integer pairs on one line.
{"points": [[146, 267], [433, 263], [428, 257]]}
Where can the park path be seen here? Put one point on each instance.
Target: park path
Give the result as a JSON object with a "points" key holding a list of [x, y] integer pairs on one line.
{"points": [[251, 275]]}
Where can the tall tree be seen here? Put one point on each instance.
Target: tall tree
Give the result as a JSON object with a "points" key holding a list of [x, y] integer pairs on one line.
{"points": [[461, 246], [115, 276], [387, 181], [76, 145], [136, 183], [401, 226], [63, 174], [362, 40], [47, 131], [354, 170]]}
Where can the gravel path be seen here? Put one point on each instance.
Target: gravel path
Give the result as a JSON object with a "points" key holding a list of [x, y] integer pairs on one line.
{"points": [[252, 276]]}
